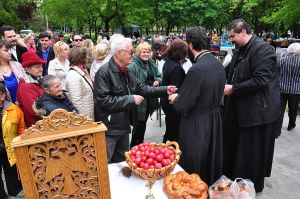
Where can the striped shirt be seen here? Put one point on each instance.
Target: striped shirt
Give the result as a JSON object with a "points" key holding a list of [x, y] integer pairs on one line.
{"points": [[290, 74]]}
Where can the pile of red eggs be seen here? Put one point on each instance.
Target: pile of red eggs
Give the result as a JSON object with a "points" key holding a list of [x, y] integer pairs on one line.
{"points": [[149, 156]]}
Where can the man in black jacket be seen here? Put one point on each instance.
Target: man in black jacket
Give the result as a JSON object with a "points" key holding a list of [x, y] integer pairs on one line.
{"points": [[8, 33], [252, 107], [117, 94]]}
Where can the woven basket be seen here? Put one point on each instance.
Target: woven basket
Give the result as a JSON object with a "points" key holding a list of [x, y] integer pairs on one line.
{"points": [[155, 174]]}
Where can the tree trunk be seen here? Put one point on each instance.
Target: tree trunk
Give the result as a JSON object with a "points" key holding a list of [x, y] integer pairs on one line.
{"points": [[106, 25], [96, 30], [296, 30]]}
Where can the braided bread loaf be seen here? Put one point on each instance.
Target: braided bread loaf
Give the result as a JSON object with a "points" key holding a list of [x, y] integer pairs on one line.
{"points": [[185, 186]]}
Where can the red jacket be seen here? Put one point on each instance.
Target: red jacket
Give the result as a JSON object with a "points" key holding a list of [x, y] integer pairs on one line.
{"points": [[27, 93]]}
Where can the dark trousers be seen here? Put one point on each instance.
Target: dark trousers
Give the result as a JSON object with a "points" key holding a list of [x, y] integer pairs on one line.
{"points": [[139, 129], [292, 100], [116, 146], [138, 133], [13, 184], [248, 152], [172, 120]]}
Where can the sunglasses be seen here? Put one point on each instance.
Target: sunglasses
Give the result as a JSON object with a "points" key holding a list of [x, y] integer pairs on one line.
{"points": [[77, 40]]}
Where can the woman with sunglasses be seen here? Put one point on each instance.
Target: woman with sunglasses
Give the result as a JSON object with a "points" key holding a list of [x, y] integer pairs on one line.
{"points": [[146, 71]]}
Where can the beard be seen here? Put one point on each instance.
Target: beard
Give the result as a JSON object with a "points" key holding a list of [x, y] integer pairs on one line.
{"points": [[191, 56]]}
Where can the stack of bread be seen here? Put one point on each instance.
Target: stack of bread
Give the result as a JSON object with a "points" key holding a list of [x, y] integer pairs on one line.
{"points": [[185, 186]]}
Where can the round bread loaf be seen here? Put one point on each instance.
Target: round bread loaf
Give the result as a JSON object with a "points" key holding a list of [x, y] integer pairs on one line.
{"points": [[183, 185]]}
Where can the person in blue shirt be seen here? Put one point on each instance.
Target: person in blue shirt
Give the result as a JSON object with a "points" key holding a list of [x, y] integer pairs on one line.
{"points": [[45, 51], [10, 71]]}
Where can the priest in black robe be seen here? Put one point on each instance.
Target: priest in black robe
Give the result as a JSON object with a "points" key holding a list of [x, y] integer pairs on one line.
{"points": [[252, 107], [198, 101]]}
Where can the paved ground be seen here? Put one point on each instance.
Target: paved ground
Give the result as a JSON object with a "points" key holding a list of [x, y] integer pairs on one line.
{"points": [[284, 182]]}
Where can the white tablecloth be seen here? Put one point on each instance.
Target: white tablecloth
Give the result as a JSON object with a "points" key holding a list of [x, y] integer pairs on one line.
{"points": [[133, 187]]}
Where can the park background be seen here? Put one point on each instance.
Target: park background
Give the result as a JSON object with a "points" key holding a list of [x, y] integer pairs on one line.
{"points": [[282, 17]]}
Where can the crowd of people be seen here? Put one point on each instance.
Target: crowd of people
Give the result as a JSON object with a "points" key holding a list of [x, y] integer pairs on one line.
{"points": [[119, 83]]}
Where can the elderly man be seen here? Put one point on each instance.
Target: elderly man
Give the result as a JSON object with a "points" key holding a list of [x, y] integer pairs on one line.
{"points": [[29, 89], [252, 107], [289, 84], [117, 94], [8, 34], [198, 101]]}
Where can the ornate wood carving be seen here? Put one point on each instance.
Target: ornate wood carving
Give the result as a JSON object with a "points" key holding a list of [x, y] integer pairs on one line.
{"points": [[63, 156], [58, 119], [65, 168]]}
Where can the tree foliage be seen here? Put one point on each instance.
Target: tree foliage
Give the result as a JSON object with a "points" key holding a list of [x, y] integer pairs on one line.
{"points": [[162, 15]]}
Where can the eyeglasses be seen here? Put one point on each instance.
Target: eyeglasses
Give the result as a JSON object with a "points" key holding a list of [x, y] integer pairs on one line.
{"points": [[129, 52], [77, 40]]}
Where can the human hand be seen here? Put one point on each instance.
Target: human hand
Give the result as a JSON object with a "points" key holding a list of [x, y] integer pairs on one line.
{"points": [[155, 83], [138, 99], [171, 89], [172, 97], [228, 89]]}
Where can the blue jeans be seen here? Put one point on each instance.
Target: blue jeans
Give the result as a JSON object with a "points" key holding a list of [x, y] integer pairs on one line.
{"points": [[116, 146]]}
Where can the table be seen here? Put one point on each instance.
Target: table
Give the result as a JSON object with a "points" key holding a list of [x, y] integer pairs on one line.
{"points": [[133, 187], [228, 49]]}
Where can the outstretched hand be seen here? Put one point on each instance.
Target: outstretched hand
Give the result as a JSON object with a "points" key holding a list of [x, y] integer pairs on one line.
{"points": [[171, 89], [138, 99], [172, 97], [228, 89]]}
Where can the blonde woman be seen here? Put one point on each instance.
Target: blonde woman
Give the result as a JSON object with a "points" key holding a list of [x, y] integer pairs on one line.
{"points": [[99, 52], [88, 45], [60, 65], [146, 71], [30, 44]]}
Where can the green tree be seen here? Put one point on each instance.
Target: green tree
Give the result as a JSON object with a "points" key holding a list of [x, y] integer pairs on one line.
{"points": [[287, 13]]}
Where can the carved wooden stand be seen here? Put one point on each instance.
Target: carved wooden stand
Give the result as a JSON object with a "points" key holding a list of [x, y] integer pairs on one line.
{"points": [[63, 156]]}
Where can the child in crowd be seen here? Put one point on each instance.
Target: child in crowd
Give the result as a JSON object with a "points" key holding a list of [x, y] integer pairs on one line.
{"points": [[13, 124]]}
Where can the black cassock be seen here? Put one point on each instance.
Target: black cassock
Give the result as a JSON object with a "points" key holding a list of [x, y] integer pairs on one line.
{"points": [[200, 134]]}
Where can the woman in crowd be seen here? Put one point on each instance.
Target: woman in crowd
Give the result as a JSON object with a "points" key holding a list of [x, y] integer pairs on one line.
{"points": [[289, 84], [145, 70], [29, 89], [53, 97], [88, 45], [173, 74], [99, 52], [79, 84], [60, 65], [12, 120], [10, 71], [162, 53], [30, 44]]}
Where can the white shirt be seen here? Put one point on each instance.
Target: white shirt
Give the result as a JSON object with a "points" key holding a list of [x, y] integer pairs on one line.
{"points": [[14, 52], [59, 70]]}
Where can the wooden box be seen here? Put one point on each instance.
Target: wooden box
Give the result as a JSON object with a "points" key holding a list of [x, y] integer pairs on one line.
{"points": [[63, 156]]}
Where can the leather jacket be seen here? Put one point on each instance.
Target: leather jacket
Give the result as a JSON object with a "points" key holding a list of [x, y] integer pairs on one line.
{"points": [[113, 97]]}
